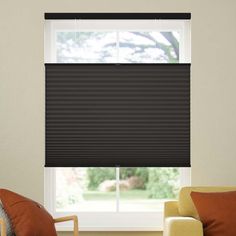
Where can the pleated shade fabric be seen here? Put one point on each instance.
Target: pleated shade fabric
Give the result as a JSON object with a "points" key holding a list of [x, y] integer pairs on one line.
{"points": [[108, 115]]}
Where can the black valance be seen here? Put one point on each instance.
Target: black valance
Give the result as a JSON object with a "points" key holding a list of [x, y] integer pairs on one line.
{"points": [[117, 16]]}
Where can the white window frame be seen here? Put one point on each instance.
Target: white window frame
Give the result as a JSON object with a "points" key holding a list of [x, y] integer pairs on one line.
{"points": [[112, 221]]}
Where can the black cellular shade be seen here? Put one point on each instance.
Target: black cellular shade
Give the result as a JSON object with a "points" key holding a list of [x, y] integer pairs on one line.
{"points": [[129, 115]]}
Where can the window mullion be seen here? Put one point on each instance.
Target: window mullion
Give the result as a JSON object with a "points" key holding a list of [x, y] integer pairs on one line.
{"points": [[117, 189], [117, 46]]}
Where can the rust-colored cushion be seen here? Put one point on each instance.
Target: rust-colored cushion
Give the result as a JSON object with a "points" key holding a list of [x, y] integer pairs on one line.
{"points": [[217, 211], [28, 218]]}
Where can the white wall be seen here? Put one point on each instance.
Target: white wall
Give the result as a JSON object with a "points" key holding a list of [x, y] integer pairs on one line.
{"points": [[22, 86]]}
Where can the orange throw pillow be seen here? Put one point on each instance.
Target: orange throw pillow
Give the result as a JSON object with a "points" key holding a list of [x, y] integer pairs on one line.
{"points": [[217, 211], [27, 217]]}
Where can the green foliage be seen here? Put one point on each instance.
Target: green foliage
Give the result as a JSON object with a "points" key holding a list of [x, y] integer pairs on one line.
{"points": [[99, 174], [127, 172], [159, 182], [142, 173], [96, 176], [163, 182]]}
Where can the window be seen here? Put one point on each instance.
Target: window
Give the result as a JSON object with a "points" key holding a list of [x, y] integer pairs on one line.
{"points": [[115, 189], [111, 198]]}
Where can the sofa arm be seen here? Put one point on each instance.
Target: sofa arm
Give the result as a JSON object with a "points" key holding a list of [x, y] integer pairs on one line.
{"points": [[171, 209], [182, 226]]}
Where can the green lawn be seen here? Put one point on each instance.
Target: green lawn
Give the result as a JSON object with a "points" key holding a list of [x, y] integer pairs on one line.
{"points": [[127, 195]]}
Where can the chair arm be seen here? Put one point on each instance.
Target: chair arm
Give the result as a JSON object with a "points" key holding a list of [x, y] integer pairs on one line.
{"points": [[171, 209], [68, 218], [182, 226], [3, 227]]}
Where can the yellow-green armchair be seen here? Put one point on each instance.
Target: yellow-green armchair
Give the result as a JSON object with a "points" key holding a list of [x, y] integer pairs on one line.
{"points": [[181, 218]]}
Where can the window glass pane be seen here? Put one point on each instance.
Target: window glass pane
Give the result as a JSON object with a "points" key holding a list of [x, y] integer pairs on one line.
{"points": [[145, 189], [122, 47], [148, 47], [85, 47], [85, 189]]}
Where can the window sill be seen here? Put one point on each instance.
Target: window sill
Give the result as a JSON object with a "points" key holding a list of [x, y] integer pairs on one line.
{"points": [[109, 229], [139, 221]]}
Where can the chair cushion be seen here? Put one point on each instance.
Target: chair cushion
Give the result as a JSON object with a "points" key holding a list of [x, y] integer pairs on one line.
{"points": [[27, 217], [217, 212], [186, 206], [182, 226], [6, 219]]}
